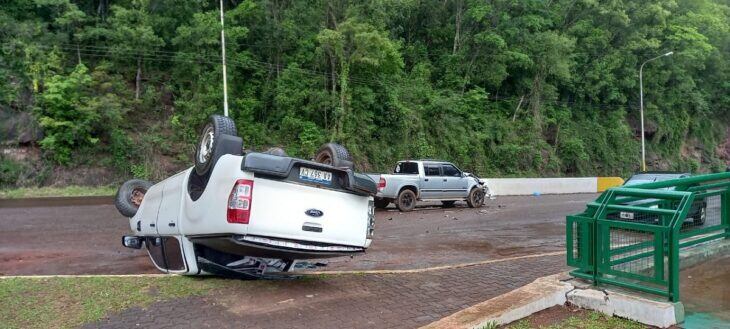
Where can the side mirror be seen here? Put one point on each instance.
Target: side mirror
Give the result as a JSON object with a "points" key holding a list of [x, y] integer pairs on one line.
{"points": [[133, 242]]}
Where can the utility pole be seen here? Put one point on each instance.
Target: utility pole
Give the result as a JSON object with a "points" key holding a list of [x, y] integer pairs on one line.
{"points": [[641, 107], [223, 55]]}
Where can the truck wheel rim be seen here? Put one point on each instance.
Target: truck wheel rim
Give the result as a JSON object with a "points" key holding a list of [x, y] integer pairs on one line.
{"points": [[206, 145], [324, 159], [137, 197], [478, 197], [407, 200]]}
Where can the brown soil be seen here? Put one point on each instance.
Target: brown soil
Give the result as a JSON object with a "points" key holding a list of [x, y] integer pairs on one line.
{"points": [[705, 287], [551, 316], [84, 237]]}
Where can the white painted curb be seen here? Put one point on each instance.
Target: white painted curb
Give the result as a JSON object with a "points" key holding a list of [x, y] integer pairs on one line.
{"points": [[562, 185]]}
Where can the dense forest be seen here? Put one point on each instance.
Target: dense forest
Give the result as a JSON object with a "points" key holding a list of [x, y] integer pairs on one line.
{"points": [[500, 87]]}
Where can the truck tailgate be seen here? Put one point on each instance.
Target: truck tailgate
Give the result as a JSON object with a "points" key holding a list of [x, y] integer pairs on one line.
{"points": [[309, 213]]}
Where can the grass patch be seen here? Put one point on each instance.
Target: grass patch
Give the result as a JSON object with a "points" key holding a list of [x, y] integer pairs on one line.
{"points": [[584, 320], [38, 192], [70, 302]]}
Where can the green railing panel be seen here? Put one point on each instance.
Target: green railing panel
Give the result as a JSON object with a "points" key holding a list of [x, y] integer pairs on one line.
{"points": [[641, 250]]}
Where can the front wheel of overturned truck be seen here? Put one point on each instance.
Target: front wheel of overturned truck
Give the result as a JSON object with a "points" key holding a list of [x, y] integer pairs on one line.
{"points": [[129, 196]]}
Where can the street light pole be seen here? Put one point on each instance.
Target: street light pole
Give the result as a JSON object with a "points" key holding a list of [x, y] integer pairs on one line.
{"points": [[641, 107], [223, 55]]}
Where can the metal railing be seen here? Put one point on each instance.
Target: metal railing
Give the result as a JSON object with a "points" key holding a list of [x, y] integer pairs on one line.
{"points": [[632, 237]]}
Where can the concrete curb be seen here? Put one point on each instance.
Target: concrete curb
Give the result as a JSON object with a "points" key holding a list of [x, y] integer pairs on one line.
{"points": [[557, 290], [541, 294], [656, 313], [558, 185]]}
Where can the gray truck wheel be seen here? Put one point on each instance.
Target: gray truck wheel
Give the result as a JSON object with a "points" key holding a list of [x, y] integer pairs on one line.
{"points": [[217, 125], [475, 198], [381, 203], [335, 155], [406, 200], [129, 196]]}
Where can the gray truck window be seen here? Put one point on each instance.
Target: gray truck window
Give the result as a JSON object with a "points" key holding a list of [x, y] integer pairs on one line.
{"points": [[432, 170], [450, 170], [406, 168]]}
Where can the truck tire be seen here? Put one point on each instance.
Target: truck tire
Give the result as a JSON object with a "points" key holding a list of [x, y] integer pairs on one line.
{"points": [[381, 203], [406, 200], [475, 198], [447, 204], [278, 151], [129, 196], [335, 155], [204, 153]]}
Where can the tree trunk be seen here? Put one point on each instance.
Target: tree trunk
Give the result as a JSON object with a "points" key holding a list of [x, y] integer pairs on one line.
{"points": [[536, 98], [514, 116], [344, 77], [459, 9], [138, 80]]}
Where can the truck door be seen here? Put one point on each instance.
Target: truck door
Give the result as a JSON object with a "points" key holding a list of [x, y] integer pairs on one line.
{"points": [[454, 184], [432, 182], [168, 215]]}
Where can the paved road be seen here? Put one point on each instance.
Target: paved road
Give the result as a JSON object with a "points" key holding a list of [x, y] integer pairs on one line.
{"points": [[85, 239], [345, 301]]}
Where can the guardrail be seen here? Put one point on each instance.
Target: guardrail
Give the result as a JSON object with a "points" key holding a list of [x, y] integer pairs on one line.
{"points": [[559, 185], [632, 236]]}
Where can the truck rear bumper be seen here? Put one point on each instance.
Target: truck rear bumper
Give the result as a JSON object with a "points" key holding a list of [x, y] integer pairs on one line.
{"points": [[259, 246]]}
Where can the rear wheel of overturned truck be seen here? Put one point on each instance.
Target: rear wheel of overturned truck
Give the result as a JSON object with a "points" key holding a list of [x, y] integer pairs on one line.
{"points": [[209, 138]]}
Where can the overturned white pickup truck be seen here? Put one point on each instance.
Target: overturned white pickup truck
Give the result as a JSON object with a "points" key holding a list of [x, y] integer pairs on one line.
{"points": [[254, 215]]}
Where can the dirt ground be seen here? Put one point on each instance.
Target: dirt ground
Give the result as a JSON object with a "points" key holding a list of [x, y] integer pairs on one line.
{"points": [[84, 238], [705, 292]]}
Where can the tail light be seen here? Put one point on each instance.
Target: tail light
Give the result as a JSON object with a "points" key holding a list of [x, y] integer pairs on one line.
{"points": [[371, 219], [381, 184], [239, 202]]}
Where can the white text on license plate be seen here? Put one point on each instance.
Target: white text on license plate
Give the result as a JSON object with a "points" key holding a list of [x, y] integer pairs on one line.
{"points": [[314, 175]]}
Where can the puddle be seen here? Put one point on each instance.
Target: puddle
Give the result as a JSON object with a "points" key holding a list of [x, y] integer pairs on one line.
{"points": [[705, 292], [704, 321]]}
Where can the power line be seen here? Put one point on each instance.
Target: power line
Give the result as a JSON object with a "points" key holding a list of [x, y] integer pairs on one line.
{"points": [[178, 56]]}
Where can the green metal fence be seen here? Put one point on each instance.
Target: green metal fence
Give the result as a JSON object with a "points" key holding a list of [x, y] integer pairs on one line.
{"points": [[633, 236]]}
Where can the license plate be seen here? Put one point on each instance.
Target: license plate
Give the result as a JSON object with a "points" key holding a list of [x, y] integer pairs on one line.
{"points": [[626, 215], [315, 176]]}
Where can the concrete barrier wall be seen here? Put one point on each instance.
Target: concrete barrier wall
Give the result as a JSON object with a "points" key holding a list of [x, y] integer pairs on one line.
{"points": [[568, 185]]}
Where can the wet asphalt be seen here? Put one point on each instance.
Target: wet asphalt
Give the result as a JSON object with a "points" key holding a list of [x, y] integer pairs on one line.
{"points": [[83, 235]]}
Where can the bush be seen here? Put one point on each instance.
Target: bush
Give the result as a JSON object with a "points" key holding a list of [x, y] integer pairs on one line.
{"points": [[9, 172]]}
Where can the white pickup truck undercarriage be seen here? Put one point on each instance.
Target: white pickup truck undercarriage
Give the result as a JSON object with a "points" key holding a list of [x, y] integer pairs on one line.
{"points": [[254, 215]]}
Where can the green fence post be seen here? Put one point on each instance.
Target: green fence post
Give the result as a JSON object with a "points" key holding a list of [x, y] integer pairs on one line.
{"points": [[725, 212], [674, 265]]}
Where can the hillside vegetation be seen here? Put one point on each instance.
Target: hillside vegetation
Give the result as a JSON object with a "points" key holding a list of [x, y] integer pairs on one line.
{"points": [[500, 87]]}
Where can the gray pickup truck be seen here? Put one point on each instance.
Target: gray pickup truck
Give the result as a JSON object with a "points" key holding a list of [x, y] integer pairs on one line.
{"points": [[428, 180]]}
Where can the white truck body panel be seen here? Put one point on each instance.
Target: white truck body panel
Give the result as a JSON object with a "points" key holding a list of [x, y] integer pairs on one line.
{"points": [[278, 210]]}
